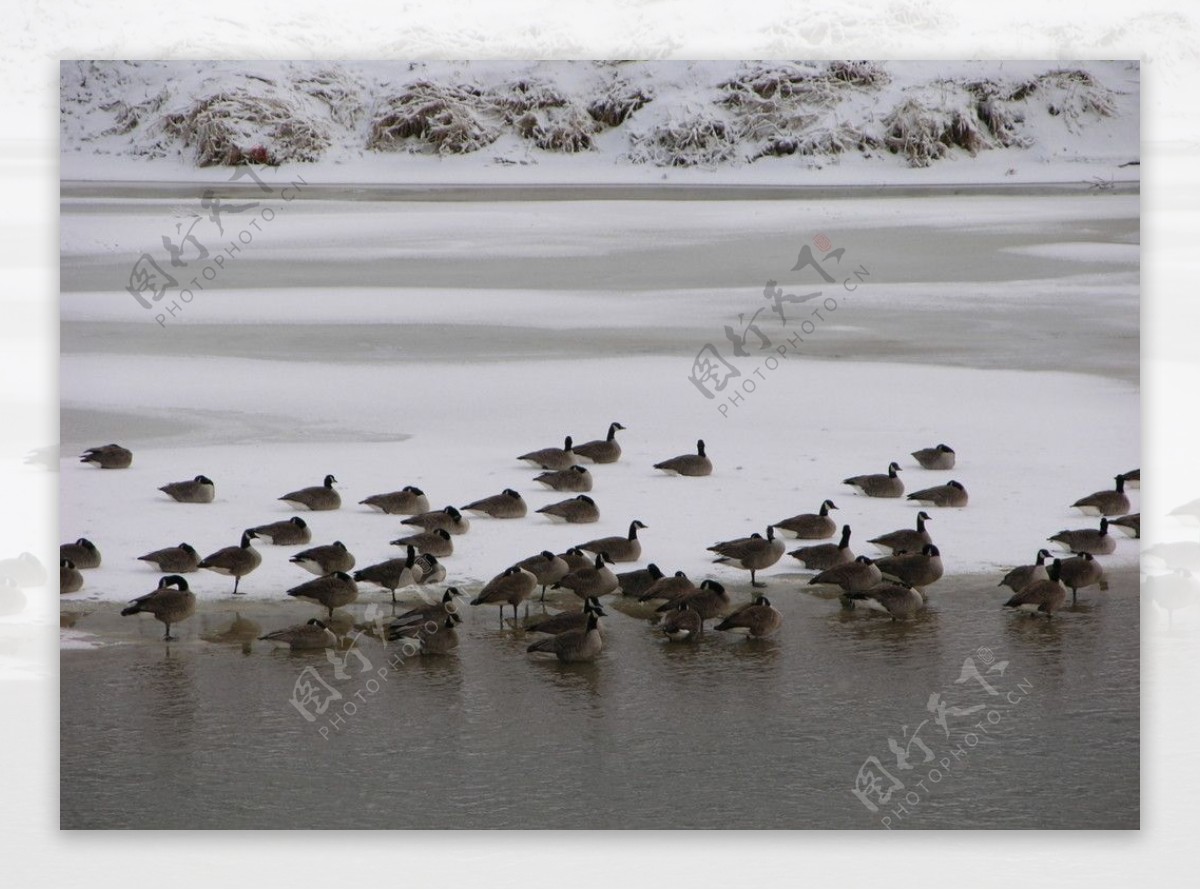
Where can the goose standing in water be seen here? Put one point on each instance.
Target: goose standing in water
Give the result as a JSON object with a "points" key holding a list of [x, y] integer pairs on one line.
{"points": [[698, 464], [602, 451], [913, 569], [1022, 576], [171, 603], [940, 457], [191, 491], [811, 526], [879, 485], [510, 588], [1079, 572], [820, 557], [1113, 502], [682, 624], [316, 497], [332, 591], [574, 645], [853, 577], [552, 458], [897, 600], [754, 553], [236, 561], [1044, 596], [759, 619], [547, 568]]}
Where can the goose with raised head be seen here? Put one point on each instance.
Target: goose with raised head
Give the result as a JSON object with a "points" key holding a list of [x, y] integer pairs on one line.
{"points": [[70, 579], [602, 451], [1022, 576], [578, 510], [905, 539], [1097, 542], [754, 553], [508, 504], [552, 458], [1112, 502], [447, 519], [940, 457], [853, 577], [170, 603], [811, 526], [510, 588], [82, 552], [108, 457], [177, 560], [285, 533], [617, 548], [952, 494], [1043, 596], [391, 574], [913, 569], [436, 543], [896, 600], [879, 485], [820, 557], [199, 490], [638, 581], [594, 580], [313, 634], [698, 464], [574, 645], [332, 591], [236, 562], [576, 478], [316, 497], [408, 501], [325, 559], [758, 619]]}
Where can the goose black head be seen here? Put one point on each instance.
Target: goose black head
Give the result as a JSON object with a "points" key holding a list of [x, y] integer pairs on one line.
{"points": [[316, 622], [547, 555], [568, 442], [714, 586], [602, 558], [412, 489], [203, 480], [865, 560], [655, 571], [924, 517], [329, 480], [931, 550], [700, 447], [247, 536], [442, 533], [1104, 526], [826, 506], [945, 449], [593, 620], [453, 513], [508, 492], [582, 471], [586, 499], [187, 548], [893, 469], [86, 544], [173, 581], [634, 526], [66, 564], [298, 522], [338, 545], [342, 576], [761, 600], [612, 430], [953, 484], [1042, 556]]}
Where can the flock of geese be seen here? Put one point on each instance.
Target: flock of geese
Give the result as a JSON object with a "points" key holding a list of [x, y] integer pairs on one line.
{"points": [[894, 583]]}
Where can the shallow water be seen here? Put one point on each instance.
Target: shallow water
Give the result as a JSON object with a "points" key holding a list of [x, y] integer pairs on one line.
{"points": [[724, 733]]}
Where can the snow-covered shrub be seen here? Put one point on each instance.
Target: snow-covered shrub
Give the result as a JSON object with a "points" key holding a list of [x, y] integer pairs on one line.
{"points": [[224, 128], [434, 117], [698, 139], [341, 94], [567, 129], [613, 107]]}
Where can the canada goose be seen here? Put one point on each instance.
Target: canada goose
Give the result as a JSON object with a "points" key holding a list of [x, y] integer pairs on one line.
{"points": [[429, 570], [1087, 540], [1113, 502], [697, 464], [575, 510], [913, 569], [1041, 596], [1130, 525], [603, 451], [897, 600], [431, 638], [171, 603], [70, 579], [83, 553], [575, 559], [552, 458], [574, 645], [408, 501], [314, 634], [506, 505], [176, 560], [237, 561], [820, 557], [811, 526], [754, 553], [1133, 479], [332, 591], [759, 619], [593, 580], [191, 491], [391, 574], [879, 485], [436, 543], [289, 532], [905, 539], [447, 607], [546, 567], [618, 549], [952, 494], [511, 587], [683, 623], [565, 621], [325, 559], [853, 577], [448, 519], [316, 497], [940, 457], [1079, 572], [1022, 576], [108, 457], [709, 600], [638, 581], [576, 478], [669, 587]]}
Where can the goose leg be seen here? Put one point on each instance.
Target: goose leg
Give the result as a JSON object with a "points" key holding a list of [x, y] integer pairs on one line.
{"points": [[237, 579], [167, 637], [753, 582]]}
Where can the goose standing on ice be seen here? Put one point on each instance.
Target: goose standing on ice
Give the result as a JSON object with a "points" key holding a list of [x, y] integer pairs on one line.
{"points": [[236, 561], [171, 603], [754, 553]]}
